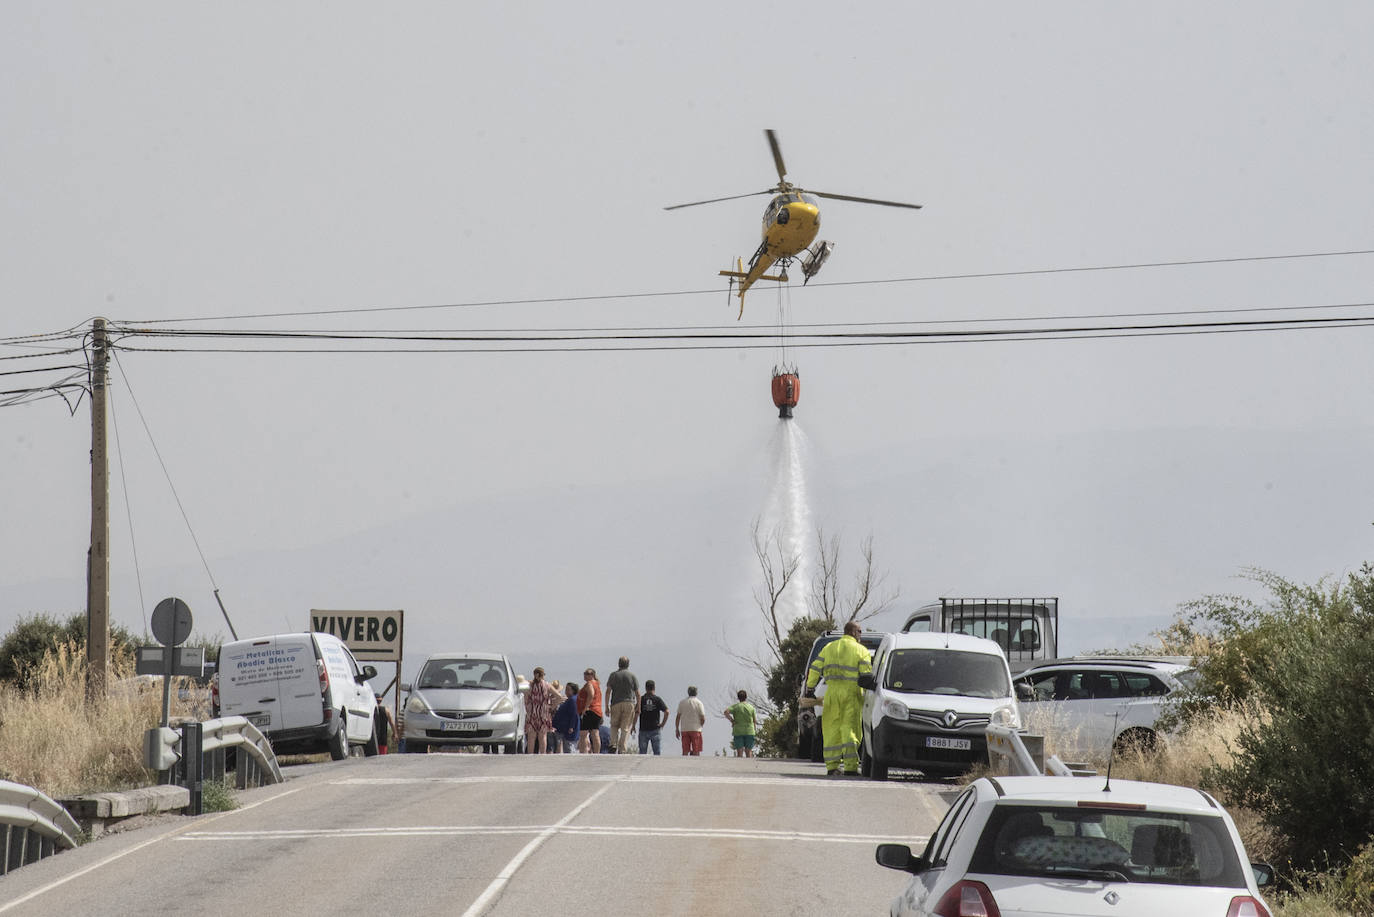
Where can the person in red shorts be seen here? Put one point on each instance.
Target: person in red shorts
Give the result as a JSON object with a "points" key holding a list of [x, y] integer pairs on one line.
{"points": [[691, 716]]}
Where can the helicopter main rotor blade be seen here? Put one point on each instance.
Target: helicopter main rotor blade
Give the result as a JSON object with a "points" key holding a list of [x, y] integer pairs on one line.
{"points": [[777, 154], [862, 200], [717, 200]]}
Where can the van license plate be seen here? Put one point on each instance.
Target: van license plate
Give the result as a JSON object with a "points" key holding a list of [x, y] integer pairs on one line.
{"points": [[260, 720], [461, 726], [942, 742]]}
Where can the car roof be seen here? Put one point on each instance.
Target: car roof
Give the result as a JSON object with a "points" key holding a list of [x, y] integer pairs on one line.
{"points": [[1170, 664], [941, 640], [501, 656], [1074, 790]]}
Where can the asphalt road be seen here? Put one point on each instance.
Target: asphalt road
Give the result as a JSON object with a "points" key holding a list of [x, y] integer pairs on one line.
{"points": [[463, 834]]}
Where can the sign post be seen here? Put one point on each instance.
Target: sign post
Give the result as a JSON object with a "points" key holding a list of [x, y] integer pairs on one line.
{"points": [[171, 628], [372, 636]]}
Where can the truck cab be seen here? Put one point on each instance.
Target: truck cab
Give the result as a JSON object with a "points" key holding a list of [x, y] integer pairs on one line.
{"points": [[1027, 629]]}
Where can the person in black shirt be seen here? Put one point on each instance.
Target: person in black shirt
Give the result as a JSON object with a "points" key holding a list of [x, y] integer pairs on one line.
{"points": [[653, 716]]}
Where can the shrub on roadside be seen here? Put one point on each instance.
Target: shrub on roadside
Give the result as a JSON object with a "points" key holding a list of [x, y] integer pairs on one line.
{"points": [[217, 796], [34, 636], [1309, 767], [778, 736]]}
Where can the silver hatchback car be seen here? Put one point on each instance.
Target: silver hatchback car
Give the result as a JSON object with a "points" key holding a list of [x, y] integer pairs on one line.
{"points": [[465, 699]]}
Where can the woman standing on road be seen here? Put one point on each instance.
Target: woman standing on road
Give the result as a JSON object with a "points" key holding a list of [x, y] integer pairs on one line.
{"points": [[589, 709], [538, 722], [555, 700]]}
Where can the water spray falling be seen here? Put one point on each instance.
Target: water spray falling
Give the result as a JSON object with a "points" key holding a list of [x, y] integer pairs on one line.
{"points": [[787, 512]]}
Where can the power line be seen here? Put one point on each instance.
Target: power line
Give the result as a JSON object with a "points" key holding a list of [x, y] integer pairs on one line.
{"points": [[481, 341], [607, 297], [165, 473]]}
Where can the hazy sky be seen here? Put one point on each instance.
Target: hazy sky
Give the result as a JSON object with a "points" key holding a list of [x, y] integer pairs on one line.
{"points": [[192, 164]]}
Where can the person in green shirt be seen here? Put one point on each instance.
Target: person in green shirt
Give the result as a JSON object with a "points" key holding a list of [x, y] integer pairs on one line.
{"points": [[744, 724]]}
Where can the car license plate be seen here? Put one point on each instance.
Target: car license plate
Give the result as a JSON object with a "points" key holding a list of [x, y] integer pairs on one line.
{"points": [[942, 742], [460, 726]]}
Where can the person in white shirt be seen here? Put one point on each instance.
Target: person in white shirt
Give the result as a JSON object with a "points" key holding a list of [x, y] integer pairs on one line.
{"points": [[691, 716]]}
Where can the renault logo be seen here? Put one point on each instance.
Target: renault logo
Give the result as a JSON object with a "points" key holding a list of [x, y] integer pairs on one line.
{"points": [[1111, 897], [951, 718]]}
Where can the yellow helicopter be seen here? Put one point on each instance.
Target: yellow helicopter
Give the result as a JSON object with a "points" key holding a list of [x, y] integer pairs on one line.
{"points": [[790, 225]]}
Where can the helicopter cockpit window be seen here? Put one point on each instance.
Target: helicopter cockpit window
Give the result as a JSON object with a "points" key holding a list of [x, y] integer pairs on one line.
{"points": [[809, 199]]}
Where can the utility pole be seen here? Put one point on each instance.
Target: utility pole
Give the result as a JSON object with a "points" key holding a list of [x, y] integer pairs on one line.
{"points": [[98, 559]]}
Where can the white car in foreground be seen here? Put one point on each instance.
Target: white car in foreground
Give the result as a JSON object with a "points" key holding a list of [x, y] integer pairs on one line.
{"points": [[1044, 846]]}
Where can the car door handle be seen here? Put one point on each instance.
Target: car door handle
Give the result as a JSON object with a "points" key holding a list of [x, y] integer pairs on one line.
{"points": [[267, 700]]}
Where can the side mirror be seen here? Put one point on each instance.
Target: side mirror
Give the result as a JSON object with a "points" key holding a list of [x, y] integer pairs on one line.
{"points": [[405, 686], [898, 856], [866, 681], [1024, 691], [369, 672], [1264, 874]]}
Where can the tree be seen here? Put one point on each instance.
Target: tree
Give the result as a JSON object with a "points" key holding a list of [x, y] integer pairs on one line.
{"points": [[779, 737], [787, 644], [33, 636]]}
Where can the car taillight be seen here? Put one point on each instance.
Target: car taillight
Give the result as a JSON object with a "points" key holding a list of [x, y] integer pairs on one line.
{"points": [[1246, 906], [324, 675], [968, 899]]}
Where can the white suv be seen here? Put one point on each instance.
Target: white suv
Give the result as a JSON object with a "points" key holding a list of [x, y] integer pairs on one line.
{"points": [[1103, 702], [930, 701]]}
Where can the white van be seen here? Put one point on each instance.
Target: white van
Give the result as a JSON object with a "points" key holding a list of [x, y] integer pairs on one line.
{"points": [[929, 701], [305, 692]]}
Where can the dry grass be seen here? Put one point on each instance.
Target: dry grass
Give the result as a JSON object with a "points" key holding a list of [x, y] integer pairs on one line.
{"points": [[1180, 759], [53, 739]]}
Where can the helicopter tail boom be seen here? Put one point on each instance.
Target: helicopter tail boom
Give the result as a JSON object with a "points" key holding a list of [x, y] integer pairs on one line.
{"points": [[755, 273]]}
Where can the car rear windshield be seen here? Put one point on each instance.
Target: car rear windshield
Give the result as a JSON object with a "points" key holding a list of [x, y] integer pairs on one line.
{"points": [[937, 671], [464, 673], [1108, 844]]}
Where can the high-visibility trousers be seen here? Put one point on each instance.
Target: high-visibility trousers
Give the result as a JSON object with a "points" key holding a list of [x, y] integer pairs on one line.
{"points": [[840, 719]]}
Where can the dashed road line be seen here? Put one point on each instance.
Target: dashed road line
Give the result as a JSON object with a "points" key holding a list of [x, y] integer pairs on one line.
{"points": [[542, 831]]}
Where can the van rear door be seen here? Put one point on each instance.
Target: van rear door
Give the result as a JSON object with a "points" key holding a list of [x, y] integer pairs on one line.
{"points": [[257, 678], [346, 692]]}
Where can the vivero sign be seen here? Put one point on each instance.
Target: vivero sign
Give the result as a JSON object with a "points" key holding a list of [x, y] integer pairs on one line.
{"points": [[371, 635]]}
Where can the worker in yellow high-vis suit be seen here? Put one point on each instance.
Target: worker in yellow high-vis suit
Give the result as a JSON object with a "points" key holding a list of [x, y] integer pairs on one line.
{"points": [[840, 663]]}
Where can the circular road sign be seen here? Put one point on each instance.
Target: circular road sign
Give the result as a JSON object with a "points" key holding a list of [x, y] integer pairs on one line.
{"points": [[171, 622]]}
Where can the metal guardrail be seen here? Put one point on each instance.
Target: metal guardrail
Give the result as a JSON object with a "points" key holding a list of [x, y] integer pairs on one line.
{"points": [[32, 826], [256, 763], [1007, 751]]}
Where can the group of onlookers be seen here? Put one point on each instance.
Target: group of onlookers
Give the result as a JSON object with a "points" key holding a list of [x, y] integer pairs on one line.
{"points": [[562, 717]]}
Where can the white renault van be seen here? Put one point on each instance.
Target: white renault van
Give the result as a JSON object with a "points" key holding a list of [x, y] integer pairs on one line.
{"points": [[305, 692], [929, 701]]}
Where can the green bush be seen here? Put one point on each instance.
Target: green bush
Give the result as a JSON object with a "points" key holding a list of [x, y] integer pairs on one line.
{"points": [[1308, 657], [778, 737], [31, 637], [217, 796]]}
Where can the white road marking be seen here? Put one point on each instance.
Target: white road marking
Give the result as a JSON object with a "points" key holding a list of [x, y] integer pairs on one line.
{"points": [[123, 853], [542, 831], [505, 874], [799, 782]]}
